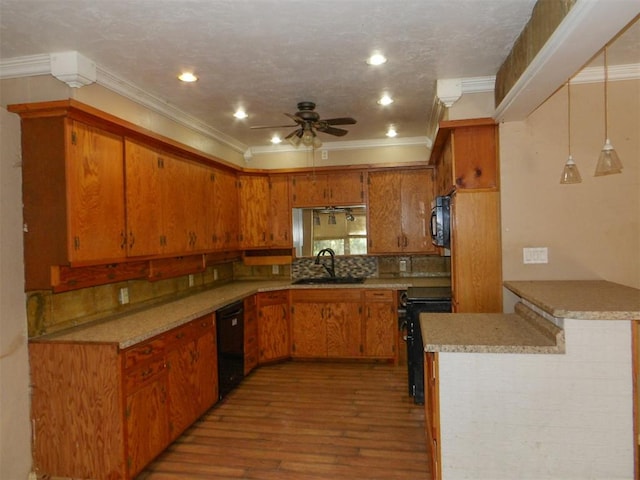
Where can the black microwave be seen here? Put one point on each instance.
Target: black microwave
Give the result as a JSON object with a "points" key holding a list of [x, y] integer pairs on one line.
{"points": [[440, 224]]}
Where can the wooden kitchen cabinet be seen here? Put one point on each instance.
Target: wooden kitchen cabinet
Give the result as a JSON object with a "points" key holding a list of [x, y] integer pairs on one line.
{"points": [[465, 155], [265, 212], [273, 326], [73, 195], [326, 323], [328, 189], [100, 412], [250, 333], [399, 211], [224, 211], [166, 198], [192, 373], [380, 323]]}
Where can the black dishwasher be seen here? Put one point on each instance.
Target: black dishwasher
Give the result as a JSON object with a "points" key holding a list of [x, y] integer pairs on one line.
{"points": [[230, 332], [421, 300]]}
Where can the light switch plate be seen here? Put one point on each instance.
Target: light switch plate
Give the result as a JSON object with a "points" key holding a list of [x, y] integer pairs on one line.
{"points": [[275, 269], [123, 296], [535, 255]]}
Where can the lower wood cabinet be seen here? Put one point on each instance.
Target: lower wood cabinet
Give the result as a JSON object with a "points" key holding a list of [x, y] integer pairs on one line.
{"points": [[250, 333], [273, 326], [343, 323], [102, 413]]}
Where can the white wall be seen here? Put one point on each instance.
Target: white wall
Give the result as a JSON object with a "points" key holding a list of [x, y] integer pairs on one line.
{"points": [[541, 417], [15, 431]]}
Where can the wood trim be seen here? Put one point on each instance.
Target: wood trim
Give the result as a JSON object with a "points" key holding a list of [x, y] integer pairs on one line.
{"points": [[635, 368], [445, 129]]}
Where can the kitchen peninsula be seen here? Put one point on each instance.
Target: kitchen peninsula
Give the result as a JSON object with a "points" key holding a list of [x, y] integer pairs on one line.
{"points": [[544, 393]]}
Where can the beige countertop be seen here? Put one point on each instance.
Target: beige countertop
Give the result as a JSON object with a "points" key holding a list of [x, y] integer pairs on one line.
{"points": [[580, 299], [520, 332], [133, 327]]}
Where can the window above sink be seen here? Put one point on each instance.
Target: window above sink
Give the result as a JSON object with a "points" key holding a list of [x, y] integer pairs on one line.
{"points": [[341, 228]]}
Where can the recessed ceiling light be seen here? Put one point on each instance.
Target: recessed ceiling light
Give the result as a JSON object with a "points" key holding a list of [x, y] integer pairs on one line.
{"points": [[391, 132], [376, 59], [385, 100], [276, 140], [240, 114], [187, 77]]}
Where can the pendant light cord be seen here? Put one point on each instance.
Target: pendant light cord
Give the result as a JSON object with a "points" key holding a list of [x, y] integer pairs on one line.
{"points": [[606, 110], [569, 113]]}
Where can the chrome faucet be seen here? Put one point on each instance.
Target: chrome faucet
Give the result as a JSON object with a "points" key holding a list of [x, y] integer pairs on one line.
{"points": [[331, 270]]}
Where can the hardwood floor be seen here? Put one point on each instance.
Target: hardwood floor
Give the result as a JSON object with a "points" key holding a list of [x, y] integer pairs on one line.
{"points": [[305, 421]]}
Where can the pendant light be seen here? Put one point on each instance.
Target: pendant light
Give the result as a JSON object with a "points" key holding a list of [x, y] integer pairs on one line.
{"points": [[570, 173], [608, 161]]}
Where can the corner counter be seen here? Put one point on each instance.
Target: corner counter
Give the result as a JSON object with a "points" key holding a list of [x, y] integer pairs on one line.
{"points": [[568, 415]]}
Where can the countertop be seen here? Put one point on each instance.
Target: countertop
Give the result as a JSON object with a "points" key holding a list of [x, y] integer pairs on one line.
{"points": [[520, 332], [530, 329], [580, 299], [133, 327]]}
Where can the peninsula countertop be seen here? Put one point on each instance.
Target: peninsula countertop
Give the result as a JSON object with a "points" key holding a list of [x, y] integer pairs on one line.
{"points": [[135, 326], [529, 329]]}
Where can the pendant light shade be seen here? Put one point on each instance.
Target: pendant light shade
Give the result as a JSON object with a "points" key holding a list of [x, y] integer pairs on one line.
{"points": [[608, 161], [570, 173]]}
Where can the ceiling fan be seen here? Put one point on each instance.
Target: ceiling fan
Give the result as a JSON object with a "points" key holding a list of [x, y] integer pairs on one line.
{"points": [[309, 123]]}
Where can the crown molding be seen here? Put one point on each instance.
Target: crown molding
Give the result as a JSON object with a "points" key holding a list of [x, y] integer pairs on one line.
{"points": [[33, 65], [614, 73]]}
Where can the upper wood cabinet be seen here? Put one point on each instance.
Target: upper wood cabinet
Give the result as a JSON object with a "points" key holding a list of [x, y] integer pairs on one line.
{"points": [[224, 210], [265, 212], [466, 156], [328, 189], [399, 210], [73, 196], [165, 202]]}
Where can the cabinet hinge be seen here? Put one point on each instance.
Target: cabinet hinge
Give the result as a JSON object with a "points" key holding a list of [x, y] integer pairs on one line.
{"points": [[74, 138], [127, 412]]}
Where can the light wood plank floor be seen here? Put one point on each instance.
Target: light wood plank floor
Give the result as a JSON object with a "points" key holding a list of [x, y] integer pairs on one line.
{"points": [[305, 421]]}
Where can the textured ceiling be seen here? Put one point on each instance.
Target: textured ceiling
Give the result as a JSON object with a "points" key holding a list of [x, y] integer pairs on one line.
{"points": [[267, 55]]}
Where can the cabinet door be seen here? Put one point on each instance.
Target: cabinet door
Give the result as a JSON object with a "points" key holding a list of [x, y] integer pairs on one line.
{"points": [[380, 324], [309, 330], [95, 194], [384, 212], [346, 188], [144, 203], [147, 421], [206, 367], [250, 334], [279, 212], [273, 326], [182, 387], [309, 190], [254, 211], [344, 329], [475, 164], [224, 227], [416, 196]]}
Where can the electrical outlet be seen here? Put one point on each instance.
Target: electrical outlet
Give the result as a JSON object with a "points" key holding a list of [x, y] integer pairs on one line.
{"points": [[275, 269], [324, 154], [403, 265], [215, 274], [191, 280], [123, 296], [535, 255]]}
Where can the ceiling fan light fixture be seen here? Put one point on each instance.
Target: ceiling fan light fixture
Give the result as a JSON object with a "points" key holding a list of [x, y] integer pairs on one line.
{"points": [[376, 59], [385, 100], [187, 77], [294, 140]]}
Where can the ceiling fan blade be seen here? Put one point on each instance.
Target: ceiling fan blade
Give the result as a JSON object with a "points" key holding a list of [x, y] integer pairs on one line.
{"points": [[338, 132], [295, 132], [272, 126], [340, 121]]}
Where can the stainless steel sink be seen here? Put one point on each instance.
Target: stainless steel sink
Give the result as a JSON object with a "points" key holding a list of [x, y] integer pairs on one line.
{"points": [[329, 280]]}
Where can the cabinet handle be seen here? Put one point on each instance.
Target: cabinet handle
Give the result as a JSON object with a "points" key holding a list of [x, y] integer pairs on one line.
{"points": [[148, 350], [132, 240], [123, 240], [406, 241], [398, 241]]}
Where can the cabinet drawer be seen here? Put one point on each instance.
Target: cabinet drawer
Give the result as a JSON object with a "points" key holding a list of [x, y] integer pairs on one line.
{"points": [[139, 376], [272, 298], [378, 295], [202, 324], [141, 353], [329, 295]]}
